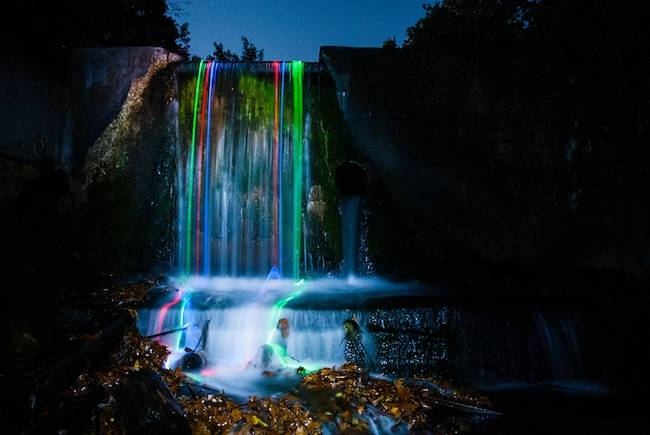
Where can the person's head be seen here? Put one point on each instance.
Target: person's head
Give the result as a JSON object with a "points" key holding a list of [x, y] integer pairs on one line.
{"points": [[351, 326], [283, 327]]}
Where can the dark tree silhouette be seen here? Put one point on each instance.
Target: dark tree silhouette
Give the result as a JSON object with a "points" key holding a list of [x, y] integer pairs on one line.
{"points": [[184, 40], [97, 23], [598, 58], [222, 55], [249, 53], [390, 43], [466, 21]]}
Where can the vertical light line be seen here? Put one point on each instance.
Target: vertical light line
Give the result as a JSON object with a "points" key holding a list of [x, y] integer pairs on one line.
{"points": [[181, 323], [280, 163], [297, 76], [276, 158], [190, 175], [207, 212], [197, 244]]}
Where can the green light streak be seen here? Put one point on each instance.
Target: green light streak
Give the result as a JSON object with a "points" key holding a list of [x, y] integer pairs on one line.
{"points": [[276, 309], [297, 70], [276, 314], [258, 101], [190, 174], [181, 324]]}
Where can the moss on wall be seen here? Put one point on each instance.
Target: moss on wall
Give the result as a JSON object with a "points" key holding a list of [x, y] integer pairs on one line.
{"points": [[126, 204]]}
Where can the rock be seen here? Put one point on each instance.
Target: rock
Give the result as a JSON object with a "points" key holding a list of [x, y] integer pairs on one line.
{"points": [[191, 361]]}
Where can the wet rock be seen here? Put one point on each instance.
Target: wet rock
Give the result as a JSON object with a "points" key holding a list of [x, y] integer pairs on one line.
{"points": [[126, 195], [191, 361], [408, 320], [409, 341], [145, 405]]}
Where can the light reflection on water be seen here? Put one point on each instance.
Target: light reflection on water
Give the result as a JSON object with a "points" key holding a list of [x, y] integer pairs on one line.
{"points": [[240, 315]]}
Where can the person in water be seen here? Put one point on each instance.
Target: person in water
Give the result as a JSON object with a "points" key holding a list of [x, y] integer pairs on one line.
{"points": [[272, 355], [283, 327], [355, 352]]}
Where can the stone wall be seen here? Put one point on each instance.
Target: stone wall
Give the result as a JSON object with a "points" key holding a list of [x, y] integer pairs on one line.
{"points": [[95, 129], [33, 103], [472, 157]]}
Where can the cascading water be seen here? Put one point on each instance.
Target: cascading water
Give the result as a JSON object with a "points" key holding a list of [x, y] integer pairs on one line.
{"points": [[350, 212], [240, 201], [244, 195], [241, 170], [235, 317], [252, 306], [246, 198], [354, 227]]}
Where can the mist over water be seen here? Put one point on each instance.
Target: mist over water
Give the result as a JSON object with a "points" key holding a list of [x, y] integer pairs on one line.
{"points": [[239, 315], [350, 212]]}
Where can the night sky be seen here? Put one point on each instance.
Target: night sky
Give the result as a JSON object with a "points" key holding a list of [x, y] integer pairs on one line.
{"points": [[295, 29]]}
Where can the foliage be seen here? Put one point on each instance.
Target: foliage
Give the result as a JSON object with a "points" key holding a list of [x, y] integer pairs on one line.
{"points": [[184, 39], [463, 21], [566, 24], [390, 43], [97, 23], [222, 55], [596, 61], [216, 413], [133, 353], [249, 53], [339, 400], [351, 396]]}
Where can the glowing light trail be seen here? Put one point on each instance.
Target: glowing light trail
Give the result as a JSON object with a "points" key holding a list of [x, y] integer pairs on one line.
{"points": [[242, 174], [276, 167], [297, 69], [207, 212], [181, 323], [188, 224], [197, 244], [275, 316], [162, 314], [281, 158]]}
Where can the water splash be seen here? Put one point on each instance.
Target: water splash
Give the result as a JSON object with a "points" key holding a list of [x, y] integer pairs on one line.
{"points": [[350, 207]]}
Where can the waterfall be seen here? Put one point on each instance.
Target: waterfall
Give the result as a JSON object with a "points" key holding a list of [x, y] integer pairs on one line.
{"points": [[350, 208], [236, 333], [241, 169], [251, 242], [524, 344], [229, 321], [244, 177], [354, 230]]}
